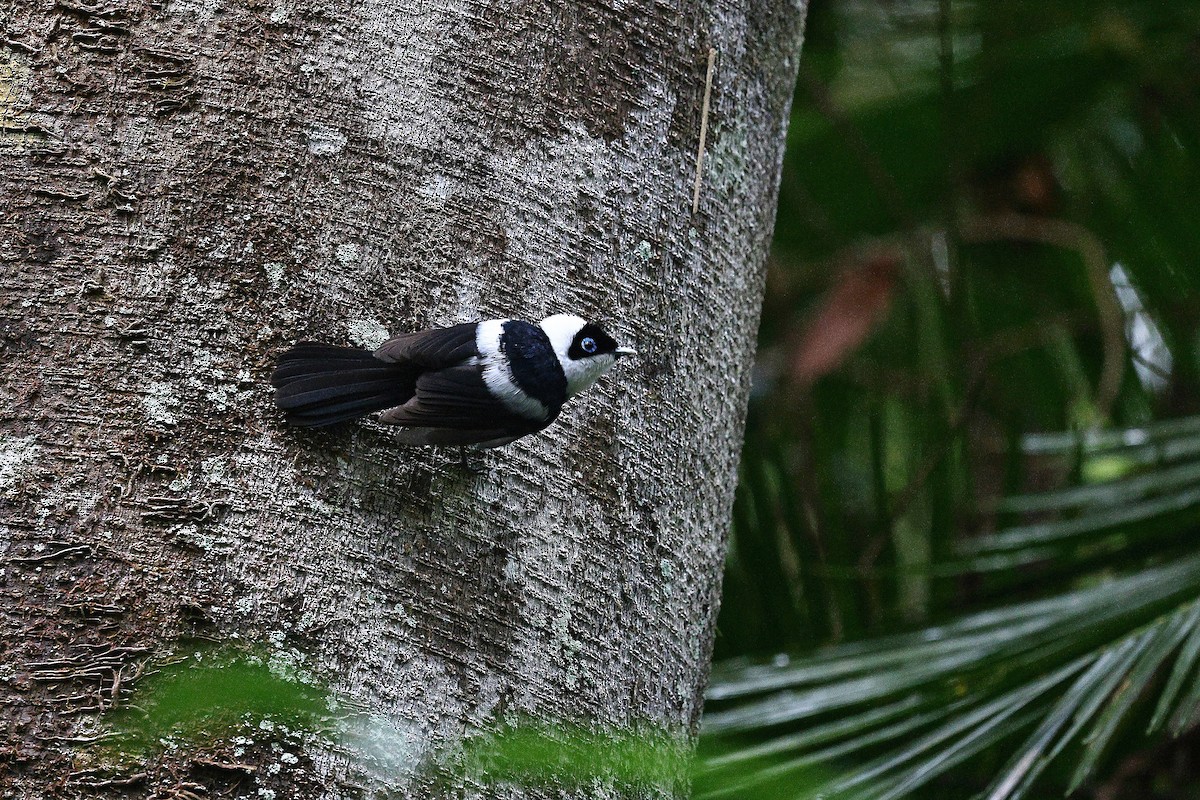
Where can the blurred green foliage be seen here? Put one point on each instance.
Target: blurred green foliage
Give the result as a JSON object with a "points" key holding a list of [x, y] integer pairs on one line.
{"points": [[572, 757], [208, 693], [966, 531]]}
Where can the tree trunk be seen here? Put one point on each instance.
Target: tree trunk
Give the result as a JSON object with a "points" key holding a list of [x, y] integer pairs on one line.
{"points": [[187, 186]]}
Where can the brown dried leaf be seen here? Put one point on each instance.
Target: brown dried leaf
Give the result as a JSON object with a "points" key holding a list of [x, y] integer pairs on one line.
{"points": [[855, 306]]}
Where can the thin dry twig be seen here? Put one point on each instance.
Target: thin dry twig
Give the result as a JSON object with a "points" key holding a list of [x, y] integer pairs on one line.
{"points": [[708, 81]]}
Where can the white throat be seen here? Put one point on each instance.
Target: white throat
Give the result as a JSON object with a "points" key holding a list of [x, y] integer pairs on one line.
{"points": [[580, 373]]}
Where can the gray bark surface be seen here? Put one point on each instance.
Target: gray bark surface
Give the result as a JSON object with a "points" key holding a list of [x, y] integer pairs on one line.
{"points": [[188, 186]]}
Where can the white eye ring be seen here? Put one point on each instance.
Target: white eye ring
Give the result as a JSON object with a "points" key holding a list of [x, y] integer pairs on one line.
{"points": [[588, 345]]}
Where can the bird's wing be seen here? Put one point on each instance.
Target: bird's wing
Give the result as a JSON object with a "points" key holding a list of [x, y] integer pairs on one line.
{"points": [[458, 398], [434, 349], [451, 437]]}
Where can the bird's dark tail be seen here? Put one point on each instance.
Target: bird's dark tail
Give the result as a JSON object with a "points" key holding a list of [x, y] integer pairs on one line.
{"points": [[321, 384]]}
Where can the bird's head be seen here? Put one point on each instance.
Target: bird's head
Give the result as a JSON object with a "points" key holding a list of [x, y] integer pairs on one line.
{"points": [[584, 350]]}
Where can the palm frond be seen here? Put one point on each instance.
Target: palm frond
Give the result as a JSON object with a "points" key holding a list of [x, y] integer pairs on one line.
{"points": [[1036, 678]]}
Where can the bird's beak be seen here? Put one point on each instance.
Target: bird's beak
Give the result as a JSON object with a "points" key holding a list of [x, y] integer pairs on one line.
{"points": [[624, 351]]}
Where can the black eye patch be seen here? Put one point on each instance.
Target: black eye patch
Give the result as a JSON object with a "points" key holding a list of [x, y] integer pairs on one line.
{"points": [[591, 341]]}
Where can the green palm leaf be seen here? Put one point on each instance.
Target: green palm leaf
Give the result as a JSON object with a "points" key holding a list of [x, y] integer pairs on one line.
{"points": [[1037, 678]]}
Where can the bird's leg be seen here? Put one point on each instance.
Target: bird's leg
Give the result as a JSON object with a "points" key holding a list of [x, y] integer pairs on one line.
{"points": [[476, 468]]}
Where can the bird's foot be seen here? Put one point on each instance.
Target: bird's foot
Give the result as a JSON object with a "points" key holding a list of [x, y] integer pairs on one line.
{"points": [[471, 466]]}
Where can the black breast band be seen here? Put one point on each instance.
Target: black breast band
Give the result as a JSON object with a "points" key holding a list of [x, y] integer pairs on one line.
{"points": [[535, 367]]}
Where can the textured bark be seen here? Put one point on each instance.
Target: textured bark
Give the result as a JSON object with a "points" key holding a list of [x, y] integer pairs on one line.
{"points": [[187, 186]]}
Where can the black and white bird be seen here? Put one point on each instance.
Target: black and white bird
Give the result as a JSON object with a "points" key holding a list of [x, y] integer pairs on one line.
{"points": [[479, 383]]}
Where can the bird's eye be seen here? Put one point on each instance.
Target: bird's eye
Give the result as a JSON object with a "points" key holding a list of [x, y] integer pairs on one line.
{"points": [[588, 344]]}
